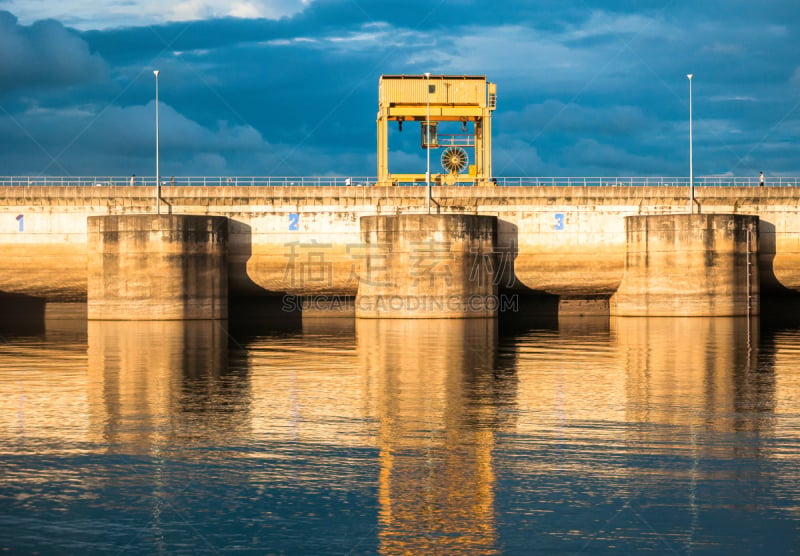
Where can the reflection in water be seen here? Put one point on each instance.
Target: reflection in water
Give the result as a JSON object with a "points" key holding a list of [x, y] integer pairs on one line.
{"points": [[400, 436], [154, 388], [151, 382], [696, 382], [649, 405], [43, 385], [781, 351], [307, 388], [668, 371], [695, 372], [437, 404], [571, 374]]}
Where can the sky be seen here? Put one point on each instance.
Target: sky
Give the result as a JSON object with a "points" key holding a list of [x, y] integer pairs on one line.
{"points": [[289, 87]]}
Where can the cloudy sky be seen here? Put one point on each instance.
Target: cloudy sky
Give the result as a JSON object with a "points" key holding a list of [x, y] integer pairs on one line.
{"points": [[289, 87]]}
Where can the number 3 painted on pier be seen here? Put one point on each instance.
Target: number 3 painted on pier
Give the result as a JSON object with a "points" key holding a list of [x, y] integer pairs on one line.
{"points": [[559, 225], [294, 221]]}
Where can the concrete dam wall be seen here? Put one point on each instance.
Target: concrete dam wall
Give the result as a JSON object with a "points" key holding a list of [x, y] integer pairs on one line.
{"points": [[566, 241]]}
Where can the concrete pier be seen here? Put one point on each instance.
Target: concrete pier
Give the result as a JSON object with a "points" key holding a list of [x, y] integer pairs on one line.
{"points": [[428, 266], [157, 267], [689, 265], [321, 306]]}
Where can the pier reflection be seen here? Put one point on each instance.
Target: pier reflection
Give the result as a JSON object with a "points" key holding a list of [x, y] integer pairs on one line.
{"points": [[150, 382], [439, 406], [682, 374], [701, 396], [697, 372]]}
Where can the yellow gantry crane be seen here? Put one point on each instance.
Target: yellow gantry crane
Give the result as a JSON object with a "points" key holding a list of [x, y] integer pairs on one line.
{"points": [[430, 99]]}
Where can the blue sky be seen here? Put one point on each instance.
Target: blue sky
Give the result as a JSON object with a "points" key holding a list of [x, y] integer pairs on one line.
{"points": [[289, 87]]}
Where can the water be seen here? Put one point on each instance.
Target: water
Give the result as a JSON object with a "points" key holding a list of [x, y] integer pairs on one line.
{"points": [[400, 437]]}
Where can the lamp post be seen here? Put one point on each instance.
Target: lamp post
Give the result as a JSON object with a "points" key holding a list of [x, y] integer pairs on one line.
{"points": [[428, 135], [158, 170], [691, 161]]}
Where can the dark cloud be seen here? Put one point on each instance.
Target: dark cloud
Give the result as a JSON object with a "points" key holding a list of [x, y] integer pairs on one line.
{"points": [[605, 159], [45, 54], [584, 88], [129, 131], [572, 118]]}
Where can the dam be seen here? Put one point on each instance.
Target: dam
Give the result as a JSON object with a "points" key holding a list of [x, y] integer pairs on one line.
{"points": [[626, 250], [460, 243]]}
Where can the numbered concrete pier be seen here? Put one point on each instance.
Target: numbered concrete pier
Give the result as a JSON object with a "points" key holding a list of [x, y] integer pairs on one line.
{"points": [[570, 244], [689, 265], [157, 267], [428, 266]]}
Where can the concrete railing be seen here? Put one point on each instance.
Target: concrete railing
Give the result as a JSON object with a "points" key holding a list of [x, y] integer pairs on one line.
{"points": [[189, 181], [328, 181]]}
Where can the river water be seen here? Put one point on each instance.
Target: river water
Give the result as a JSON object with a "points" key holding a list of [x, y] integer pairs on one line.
{"points": [[400, 437]]}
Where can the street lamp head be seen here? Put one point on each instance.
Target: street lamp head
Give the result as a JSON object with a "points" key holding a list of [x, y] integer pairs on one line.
{"points": [[155, 72], [690, 75], [427, 75]]}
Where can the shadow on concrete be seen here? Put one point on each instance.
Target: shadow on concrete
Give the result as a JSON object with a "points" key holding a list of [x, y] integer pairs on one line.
{"points": [[520, 307], [768, 282], [780, 306], [202, 273], [240, 250], [253, 308]]}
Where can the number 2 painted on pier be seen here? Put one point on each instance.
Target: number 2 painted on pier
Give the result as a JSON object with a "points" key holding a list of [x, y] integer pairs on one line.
{"points": [[294, 221], [559, 225]]}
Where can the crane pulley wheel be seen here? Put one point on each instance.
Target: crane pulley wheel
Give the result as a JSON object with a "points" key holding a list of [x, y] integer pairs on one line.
{"points": [[454, 159]]}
